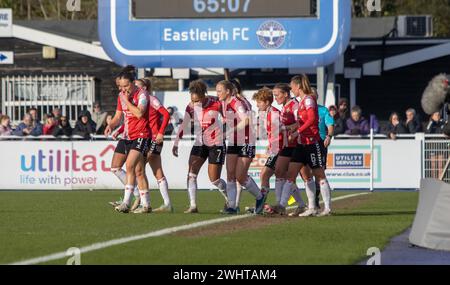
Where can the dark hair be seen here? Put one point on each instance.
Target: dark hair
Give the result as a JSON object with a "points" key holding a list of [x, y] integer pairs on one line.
{"points": [[237, 85], [49, 115], [392, 115], [128, 72], [343, 100], [198, 87], [285, 88]]}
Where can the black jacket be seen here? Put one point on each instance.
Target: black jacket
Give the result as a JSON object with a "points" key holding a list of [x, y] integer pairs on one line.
{"points": [[434, 127], [399, 129], [63, 131], [84, 130]]}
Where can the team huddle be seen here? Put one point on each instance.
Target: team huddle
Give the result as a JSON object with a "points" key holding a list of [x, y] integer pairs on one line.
{"points": [[225, 132]]}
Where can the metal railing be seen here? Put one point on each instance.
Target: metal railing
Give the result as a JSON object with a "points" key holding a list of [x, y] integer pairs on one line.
{"points": [[72, 94]]}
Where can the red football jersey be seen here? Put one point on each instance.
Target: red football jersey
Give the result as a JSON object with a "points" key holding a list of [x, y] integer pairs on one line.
{"points": [[234, 112], [135, 128], [273, 126], [207, 126], [289, 117], [154, 117], [308, 119]]}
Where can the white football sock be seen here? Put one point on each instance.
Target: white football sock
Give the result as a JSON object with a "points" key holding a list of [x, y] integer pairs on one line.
{"points": [[222, 187], [136, 192], [127, 194], [286, 193], [326, 193], [231, 193], [121, 174], [164, 190], [238, 193], [297, 196], [279, 182], [253, 188], [192, 189], [310, 188], [145, 198]]}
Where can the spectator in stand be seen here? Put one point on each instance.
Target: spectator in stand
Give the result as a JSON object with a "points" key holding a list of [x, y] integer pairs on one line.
{"points": [[5, 127], [37, 125], [436, 124], [413, 123], [27, 127], [85, 126], [98, 116], [340, 120], [63, 128], [356, 124], [50, 124], [57, 114], [101, 130], [395, 126]]}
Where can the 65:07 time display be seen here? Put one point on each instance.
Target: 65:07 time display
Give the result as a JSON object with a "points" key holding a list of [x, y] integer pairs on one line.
{"points": [[221, 6]]}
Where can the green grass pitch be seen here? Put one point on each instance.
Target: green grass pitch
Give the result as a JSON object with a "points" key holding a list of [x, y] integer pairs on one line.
{"points": [[34, 224]]}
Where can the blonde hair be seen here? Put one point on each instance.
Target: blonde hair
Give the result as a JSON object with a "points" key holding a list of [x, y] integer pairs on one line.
{"points": [[303, 81]]}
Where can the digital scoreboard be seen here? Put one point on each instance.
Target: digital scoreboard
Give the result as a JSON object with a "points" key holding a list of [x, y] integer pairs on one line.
{"points": [[225, 33], [201, 9]]}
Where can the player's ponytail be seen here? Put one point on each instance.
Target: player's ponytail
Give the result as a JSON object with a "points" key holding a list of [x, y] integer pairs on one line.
{"points": [[237, 87]]}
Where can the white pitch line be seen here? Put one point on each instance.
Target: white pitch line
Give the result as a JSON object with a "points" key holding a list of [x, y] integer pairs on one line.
{"points": [[158, 233]]}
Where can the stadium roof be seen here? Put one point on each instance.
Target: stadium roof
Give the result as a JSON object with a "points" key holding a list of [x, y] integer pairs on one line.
{"points": [[78, 29]]}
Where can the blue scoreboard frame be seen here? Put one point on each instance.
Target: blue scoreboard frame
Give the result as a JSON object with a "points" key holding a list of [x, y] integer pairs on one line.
{"points": [[224, 42]]}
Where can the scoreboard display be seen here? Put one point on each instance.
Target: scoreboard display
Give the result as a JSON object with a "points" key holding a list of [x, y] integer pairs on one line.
{"points": [[225, 33], [197, 9]]}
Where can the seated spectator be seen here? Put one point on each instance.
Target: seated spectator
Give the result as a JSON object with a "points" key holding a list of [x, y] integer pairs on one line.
{"points": [[413, 124], [63, 128], [395, 127], [98, 116], [356, 124], [28, 127], [34, 116], [5, 127], [50, 124], [340, 120], [85, 126], [101, 130], [57, 114], [436, 124]]}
